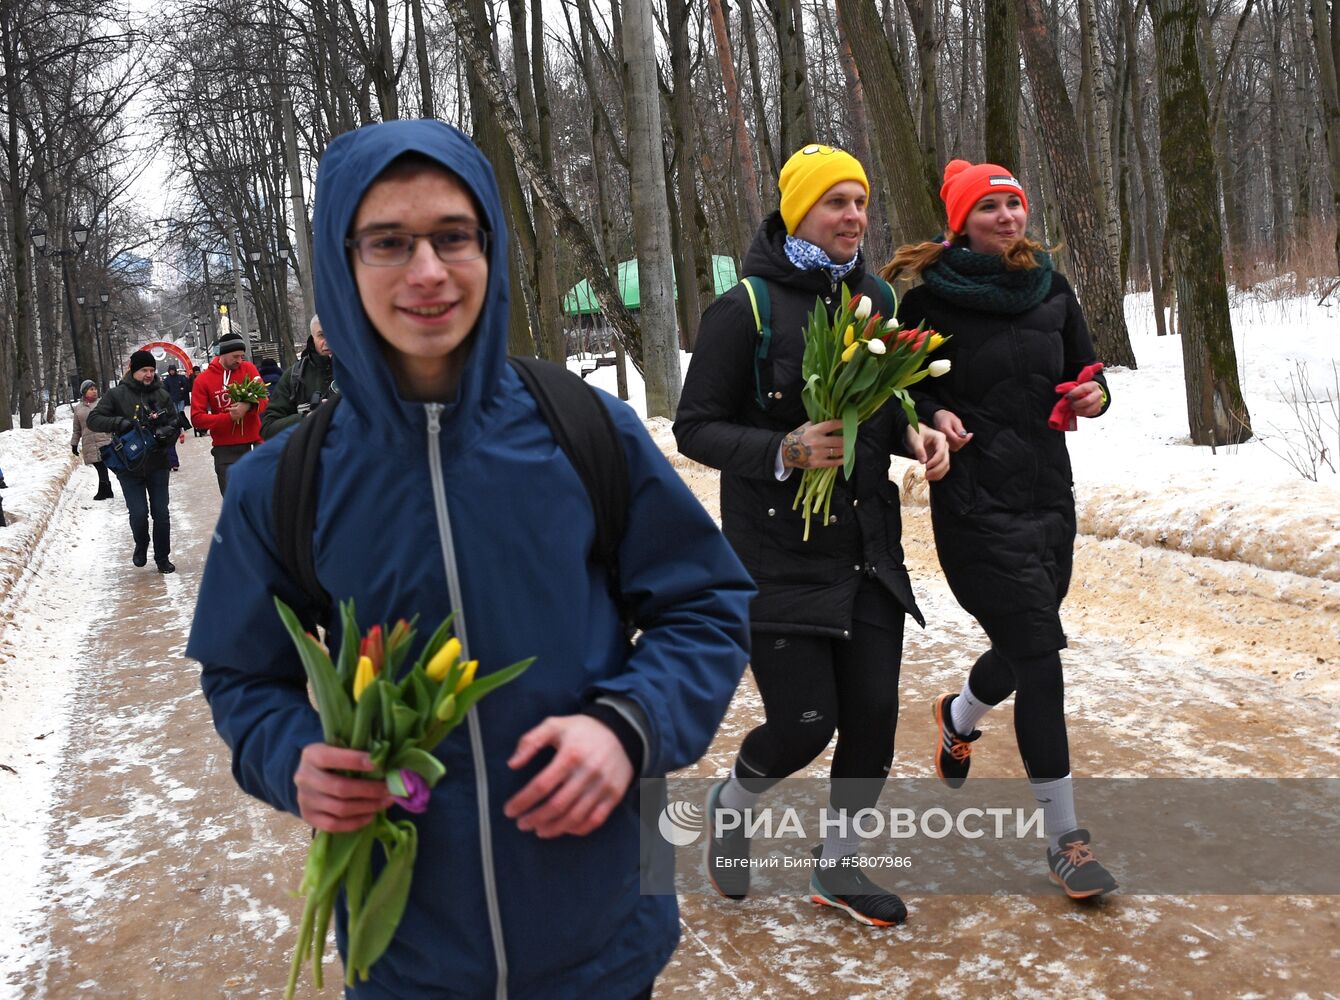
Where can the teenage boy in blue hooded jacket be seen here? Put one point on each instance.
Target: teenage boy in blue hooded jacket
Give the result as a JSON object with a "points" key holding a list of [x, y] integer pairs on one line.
{"points": [[442, 487]]}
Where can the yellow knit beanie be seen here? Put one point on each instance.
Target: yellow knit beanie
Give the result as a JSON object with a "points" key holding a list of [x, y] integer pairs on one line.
{"points": [[809, 174]]}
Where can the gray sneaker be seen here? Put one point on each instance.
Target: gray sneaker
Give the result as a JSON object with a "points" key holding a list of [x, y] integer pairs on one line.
{"points": [[725, 858], [1075, 869]]}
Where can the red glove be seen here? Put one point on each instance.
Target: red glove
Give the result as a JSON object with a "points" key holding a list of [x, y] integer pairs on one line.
{"points": [[1063, 416]]}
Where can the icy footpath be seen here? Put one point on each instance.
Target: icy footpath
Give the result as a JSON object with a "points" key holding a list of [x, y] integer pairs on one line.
{"points": [[37, 464]]}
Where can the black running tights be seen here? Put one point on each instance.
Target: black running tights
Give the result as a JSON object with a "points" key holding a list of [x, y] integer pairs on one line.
{"points": [[812, 686], [1039, 706]]}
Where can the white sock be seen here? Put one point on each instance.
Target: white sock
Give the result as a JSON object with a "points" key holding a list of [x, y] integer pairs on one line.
{"points": [[967, 710], [735, 796], [1057, 799], [841, 839]]}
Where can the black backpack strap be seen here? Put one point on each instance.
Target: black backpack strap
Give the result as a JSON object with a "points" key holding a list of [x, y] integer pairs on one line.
{"points": [[585, 431], [295, 512]]}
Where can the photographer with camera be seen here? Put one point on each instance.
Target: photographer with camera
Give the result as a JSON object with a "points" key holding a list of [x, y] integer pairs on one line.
{"points": [[308, 383], [140, 400]]}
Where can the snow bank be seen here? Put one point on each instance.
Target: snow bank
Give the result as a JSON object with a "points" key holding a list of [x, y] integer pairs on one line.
{"points": [[37, 462]]}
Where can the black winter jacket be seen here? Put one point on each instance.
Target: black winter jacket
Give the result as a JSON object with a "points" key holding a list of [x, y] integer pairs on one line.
{"points": [[803, 586], [1004, 516], [310, 377], [130, 402]]}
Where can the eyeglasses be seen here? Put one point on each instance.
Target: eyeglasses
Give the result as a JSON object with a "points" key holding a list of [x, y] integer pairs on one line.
{"points": [[394, 247]]}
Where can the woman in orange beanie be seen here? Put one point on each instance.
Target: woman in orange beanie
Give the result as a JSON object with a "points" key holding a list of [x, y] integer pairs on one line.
{"points": [[1004, 516]]}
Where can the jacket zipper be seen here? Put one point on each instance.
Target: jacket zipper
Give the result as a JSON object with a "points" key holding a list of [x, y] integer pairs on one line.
{"points": [[476, 734]]}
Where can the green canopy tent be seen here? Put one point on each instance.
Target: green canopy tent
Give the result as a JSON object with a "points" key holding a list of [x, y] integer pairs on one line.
{"points": [[581, 300]]}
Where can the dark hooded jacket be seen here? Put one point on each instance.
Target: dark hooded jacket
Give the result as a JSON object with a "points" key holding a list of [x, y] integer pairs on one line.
{"points": [[1004, 516], [803, 586], [130, 403], [414, 495], [307, 381]]}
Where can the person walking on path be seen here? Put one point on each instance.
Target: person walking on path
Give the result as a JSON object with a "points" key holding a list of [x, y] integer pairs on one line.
{"points": [[827, 624], [90, 441], [235, 428], [178, 387], [442, 490], [1004, 516], [139, 400], [308, 382]]}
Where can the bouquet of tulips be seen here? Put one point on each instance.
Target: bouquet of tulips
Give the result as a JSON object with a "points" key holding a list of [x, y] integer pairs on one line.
{"points": [[248, 390], [367, 702], [852, 365]]}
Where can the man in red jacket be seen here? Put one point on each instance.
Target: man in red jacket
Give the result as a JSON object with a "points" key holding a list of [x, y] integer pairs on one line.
{"points": [[235, 428]]}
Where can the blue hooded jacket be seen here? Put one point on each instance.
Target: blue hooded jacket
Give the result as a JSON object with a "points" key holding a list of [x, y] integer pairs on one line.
{"points": [[412, 494]]}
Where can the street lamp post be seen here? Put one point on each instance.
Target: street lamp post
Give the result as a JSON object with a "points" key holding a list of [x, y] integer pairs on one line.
{"points": [[80, 236]]}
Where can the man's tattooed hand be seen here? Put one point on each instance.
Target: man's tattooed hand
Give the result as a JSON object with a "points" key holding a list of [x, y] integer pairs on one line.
{"points": [[795, 452]]}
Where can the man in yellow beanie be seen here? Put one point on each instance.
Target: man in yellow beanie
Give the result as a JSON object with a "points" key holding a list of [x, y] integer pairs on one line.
{"points": [[827, 624]]}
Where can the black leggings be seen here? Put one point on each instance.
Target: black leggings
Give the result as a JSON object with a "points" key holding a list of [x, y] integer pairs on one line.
{"points": [[813, 686], [1039, 706]]}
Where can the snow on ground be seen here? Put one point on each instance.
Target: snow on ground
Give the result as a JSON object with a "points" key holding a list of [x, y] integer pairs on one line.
{"points": [[1138, 480]]}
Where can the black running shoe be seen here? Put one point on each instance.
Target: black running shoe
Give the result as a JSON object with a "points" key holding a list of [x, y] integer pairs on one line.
{"points": [[847, 887], [1075, 869], [725, 858], [953, 753]]}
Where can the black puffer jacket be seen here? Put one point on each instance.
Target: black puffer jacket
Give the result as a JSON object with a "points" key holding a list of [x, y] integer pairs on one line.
{"points": [[1004, 516], [130, 402], [803, 587]]}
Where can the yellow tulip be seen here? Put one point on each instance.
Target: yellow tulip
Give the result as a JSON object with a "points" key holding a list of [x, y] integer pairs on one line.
{"points": [[851, 350], [935, 341], [443, 659], [363, 676], [849, 336], [467, 676]]}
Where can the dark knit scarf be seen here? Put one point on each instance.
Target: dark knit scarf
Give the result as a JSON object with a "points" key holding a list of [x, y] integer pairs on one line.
{"points": [[982, 281]]}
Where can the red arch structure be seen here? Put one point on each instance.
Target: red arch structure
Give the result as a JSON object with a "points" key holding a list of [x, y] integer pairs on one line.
{"points": [[158, 348]]}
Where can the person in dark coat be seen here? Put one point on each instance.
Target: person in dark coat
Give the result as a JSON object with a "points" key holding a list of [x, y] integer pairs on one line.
{"points": [[270, 372], [827, 624], [139, 399], [307, 383], [90, 441], [1004, 517], [178, 387], [443, 491]]}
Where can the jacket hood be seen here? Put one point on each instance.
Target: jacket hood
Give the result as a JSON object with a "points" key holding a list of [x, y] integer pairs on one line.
{"points": [[766, 258], [350, 165]]}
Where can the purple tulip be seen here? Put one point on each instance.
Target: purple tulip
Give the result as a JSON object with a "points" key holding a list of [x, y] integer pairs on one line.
{"points": [[417, 800]]}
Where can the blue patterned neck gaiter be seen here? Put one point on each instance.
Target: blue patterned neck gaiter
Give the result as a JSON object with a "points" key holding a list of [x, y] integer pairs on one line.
{"points": [[808, 257]]}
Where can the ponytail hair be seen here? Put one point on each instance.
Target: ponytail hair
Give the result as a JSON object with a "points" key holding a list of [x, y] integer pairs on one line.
{"points": [[917, 257]]}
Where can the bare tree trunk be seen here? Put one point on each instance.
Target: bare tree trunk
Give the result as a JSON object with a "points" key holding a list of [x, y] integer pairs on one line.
{"points": [[1153, 235], [22, 382], [1094, 268], [651, 217], [911, 179], [1326, 41], [697, 287], [877, 239], [795, 126], [923, 16], [302, 227], [1216, 411], [1099, 130], [744, 147], [571, 228], [1001, 72], [427, 106], [768, 161]]}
